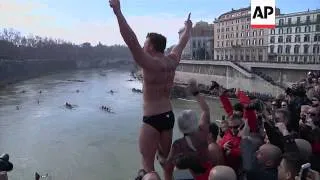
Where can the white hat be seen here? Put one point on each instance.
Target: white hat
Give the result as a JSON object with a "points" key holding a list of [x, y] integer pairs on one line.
{"points": [[188, 122]]}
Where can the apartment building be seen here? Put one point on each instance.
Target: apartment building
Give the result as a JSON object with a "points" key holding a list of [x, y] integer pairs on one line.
{"points": [[296, 38], [235, 40], [200, 44]]}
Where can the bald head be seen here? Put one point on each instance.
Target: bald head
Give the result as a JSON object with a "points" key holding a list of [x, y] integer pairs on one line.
{"points": [[222, 173], [305, 148], [269, 155], [151, 176]]}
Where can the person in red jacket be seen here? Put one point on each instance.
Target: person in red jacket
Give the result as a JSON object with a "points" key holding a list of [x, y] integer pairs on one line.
{"points": [[230, 142], [240, 108]]}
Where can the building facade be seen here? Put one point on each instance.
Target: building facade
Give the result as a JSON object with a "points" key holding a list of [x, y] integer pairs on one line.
{"points": [[235, 40], [296, 38], [200, 44]]}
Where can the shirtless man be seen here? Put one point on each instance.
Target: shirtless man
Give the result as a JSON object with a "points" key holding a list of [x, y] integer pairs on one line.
{"points": [[158, 76]]}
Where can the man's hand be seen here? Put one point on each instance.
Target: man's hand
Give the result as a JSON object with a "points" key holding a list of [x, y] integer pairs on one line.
{"points": [[282, 128], [227, 146], [188, 23], [115, 5]]}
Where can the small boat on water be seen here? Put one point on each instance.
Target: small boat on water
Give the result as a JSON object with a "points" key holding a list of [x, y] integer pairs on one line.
{"points": [[136, 90]]}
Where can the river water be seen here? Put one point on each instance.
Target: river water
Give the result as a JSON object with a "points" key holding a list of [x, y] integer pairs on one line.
{"points": [[82, 143]]}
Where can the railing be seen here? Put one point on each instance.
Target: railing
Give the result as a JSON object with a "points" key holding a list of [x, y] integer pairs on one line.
{"points": [[269, 79]]}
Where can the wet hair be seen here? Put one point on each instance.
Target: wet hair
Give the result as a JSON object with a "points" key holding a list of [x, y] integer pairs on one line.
{"points": [[292, 163], [158, 41], [238, 107], [214, 130]]}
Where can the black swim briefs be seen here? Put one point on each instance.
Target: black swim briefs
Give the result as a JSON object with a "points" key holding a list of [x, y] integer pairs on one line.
{"points": [[160, 122]]}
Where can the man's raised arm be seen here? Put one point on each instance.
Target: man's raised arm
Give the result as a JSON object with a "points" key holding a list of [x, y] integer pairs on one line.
{"points": [[204, 122], [130, 38], [177, 50]]}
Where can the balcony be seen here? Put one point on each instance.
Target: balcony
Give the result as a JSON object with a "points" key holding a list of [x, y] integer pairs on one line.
{"points": [[297, 24]]}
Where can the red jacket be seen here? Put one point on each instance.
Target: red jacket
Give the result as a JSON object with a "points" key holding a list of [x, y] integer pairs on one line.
{"points": [[248, 114], [234, 158]]}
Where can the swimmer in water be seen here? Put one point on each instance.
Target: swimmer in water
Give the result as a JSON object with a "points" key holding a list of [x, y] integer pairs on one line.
{"points": [[17, 108], [159, 71]]}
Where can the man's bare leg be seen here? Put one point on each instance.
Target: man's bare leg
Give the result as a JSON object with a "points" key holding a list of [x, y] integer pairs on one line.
{"points": [[165, 146], [165, 143], [149, 139]]}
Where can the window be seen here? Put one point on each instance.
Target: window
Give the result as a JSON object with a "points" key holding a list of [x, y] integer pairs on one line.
{"points": [[296, 49], [222, 30], [298, 20], [307, 29], [316, 37], [260, 41], [318, 18], [222, 43], [232, 28], [253, 33], [288, 39], [218, 30], [279, 49], [306, 49], [289, 30], [298, 29], [218, 36], [280, 39], [272, 49], [254, 42], [248, 34], [288, 48], [318, 28], [232, 43], [217, 57], [308, 19], [241, 57], [237, 27], [316, 49], [297, 38], [248, 42], [237, 43], [218, 43], [289, 21], [194, 43], [280, 22], [247, 26], [199, 44], [280, 31], [272, 31], [237, 35], [306, 38], [241, 34], [261, 32], [242, 27]]}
